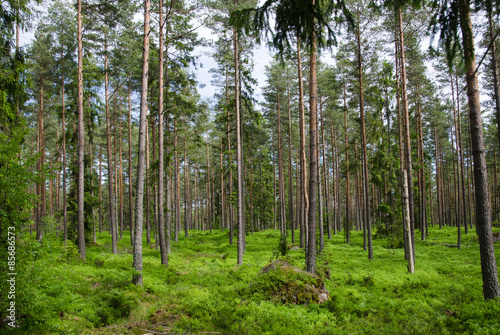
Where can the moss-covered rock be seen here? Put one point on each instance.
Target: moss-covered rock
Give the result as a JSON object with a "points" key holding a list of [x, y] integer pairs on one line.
{"points": [[283, 283]]}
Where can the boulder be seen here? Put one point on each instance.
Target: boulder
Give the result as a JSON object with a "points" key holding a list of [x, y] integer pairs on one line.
{"points": [[283, 283]]}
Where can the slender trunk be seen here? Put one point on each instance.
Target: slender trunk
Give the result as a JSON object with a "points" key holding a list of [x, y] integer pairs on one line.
{"points": [[239, 150], [230, 190], [222, 193], [161, 189], [281, 175], [130, 207], [100, 189], [366, 186], [462, 164], [115, 164], [406, 123], [458, 217], [438, 180], [290, 181], [80, 148], [325, 174], [111, 209], [313, 154], [335, 199], [177, 187], [421, 171], [147, 182], [274, 184], [347, 193], [187, 199], [304, 201], [411, 264], [320, 199], [120, 174], [491, 287], [139, 200], [65, 212]]}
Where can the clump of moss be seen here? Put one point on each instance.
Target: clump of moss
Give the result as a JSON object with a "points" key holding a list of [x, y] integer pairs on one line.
{"points": [[282, 283]]}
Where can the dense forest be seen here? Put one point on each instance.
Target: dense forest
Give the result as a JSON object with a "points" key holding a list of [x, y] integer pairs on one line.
{"points": [[366, 169]]}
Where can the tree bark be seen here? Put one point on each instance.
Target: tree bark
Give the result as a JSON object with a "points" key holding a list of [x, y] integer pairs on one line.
{"points": [[80, 148], [177, 186], [290, 181], [239, 150], [491, 287], [109, 153], [366, 186], [130, 199], [313, 154], [161, 189], [347, 193], [65, 212], [411, 264], [139, 200], [304, 201]]}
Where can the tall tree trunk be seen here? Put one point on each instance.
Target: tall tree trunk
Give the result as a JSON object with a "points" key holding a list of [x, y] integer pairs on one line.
{"points": [[411, 264], [222, 193], [325, 174], [304, 201], [438, 180], [274, 183], [139, 200], [187, 196], [130, 207], [120, 174], [147, 184], [421, 170], [100, 189], [366, 186], [458, 217], [161, 189], [239, 149], [335, 199], [491, 287], [281, 175], [406, 123], [80, 148], [347, 192], [320, 198], [462, 164], [313, 154], [109, 153], [230, 190], [177, 186], [290, 181], [65, 212]]}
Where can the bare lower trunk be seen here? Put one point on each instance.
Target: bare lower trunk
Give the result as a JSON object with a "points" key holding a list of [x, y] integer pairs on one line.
{"points": [[347, 192], [80, 148], [290, 181], [239, 150], [303, 178], [131, 208], [313, 164], [139, 204], [366, 186], [491, 287], [110, 161], [161, 189]]}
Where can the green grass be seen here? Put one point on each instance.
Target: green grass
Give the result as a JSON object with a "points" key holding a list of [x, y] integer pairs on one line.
{"points": [[203, 290]]}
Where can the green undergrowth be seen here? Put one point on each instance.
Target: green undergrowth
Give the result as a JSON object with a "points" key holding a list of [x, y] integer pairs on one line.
{"points": [[203, 290]]}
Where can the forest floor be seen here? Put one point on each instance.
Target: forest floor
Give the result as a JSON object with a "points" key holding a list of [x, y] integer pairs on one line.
{"points": [[203, 291]]}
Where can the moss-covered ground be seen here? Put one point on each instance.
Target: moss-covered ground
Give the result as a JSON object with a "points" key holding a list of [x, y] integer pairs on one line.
{"points": [[204, 291]]}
